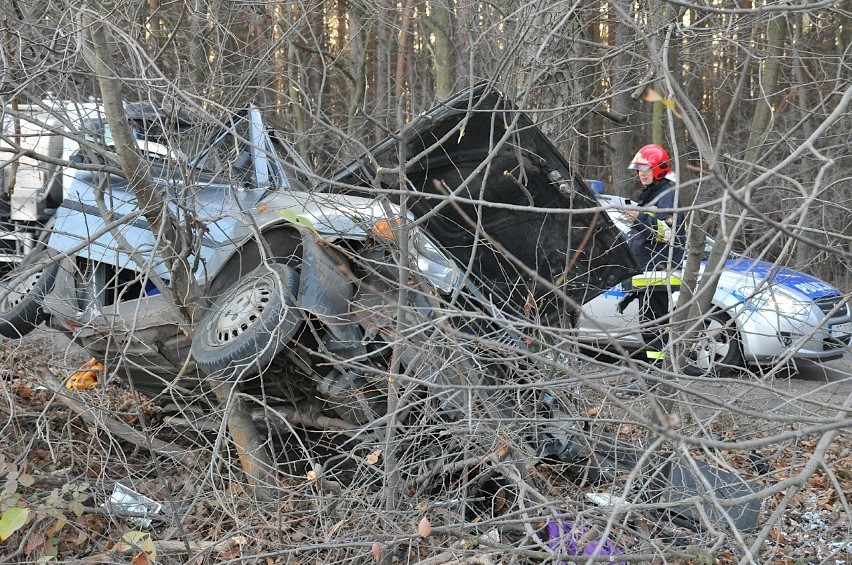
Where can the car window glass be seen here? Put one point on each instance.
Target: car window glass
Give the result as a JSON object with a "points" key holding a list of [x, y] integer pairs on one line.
{"points": [[227, 158]]}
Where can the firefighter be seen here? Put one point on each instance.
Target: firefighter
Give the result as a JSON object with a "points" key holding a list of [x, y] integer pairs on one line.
{"points": [[657, 239]]}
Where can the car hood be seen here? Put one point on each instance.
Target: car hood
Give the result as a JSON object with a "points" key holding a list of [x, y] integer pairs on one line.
{"points": [[490, 187], [799, 282]]}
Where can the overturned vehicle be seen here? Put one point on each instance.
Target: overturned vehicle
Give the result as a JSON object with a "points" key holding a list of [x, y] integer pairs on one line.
{"points": [[416, 295]]}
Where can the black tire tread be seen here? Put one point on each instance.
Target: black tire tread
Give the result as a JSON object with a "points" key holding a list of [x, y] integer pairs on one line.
{"points": [[23, 318], [733, 361], [253, 350]]}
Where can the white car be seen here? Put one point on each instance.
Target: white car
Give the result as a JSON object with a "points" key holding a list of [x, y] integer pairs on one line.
{"points": [[762, 312]]}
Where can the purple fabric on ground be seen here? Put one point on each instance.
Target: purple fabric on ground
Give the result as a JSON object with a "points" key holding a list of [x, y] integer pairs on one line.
{"points": [[566, 539]]}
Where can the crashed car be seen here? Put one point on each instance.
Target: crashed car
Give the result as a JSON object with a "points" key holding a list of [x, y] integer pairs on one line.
{"points": [[259, 205], [761, 313], [408, 288]]}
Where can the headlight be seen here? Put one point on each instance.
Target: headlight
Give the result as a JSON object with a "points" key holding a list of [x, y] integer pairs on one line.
{"points": [[432, 262], [426, 256], [774, 299], [787, 304]]}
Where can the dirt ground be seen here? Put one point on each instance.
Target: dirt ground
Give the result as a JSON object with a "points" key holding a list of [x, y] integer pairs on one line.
{"points": [[61, 460]]}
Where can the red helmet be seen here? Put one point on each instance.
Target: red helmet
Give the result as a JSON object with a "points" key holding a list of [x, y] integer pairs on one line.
{"points": [[652, 156]]}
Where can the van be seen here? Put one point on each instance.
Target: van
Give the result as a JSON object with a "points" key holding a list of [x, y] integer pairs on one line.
{"points": [[35, 144]]}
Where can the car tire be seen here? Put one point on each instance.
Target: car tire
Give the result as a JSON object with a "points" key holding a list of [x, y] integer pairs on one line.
{"points": [[249, 324], [22, 291], [717, 350]]}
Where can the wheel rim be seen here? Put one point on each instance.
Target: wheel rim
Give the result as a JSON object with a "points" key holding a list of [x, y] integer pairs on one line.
{"points": [[244, 308], [19, 291], [713, 344]]}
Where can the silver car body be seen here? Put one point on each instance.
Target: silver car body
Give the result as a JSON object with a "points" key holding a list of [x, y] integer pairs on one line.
{"points": [[35, 137], [33, 130], [92, 296], [779, 313]]}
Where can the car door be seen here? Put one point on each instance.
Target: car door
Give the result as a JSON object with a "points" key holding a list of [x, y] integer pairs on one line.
{"points": [[601, 321]]}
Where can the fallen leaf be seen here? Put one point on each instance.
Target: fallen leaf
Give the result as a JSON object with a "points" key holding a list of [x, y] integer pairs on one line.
{"points": [[140, 559], [228, 554], [373, 458], [34, 542], [58, 525], [530, 304], [136, 540], [498, 503], [424, 528], [13, 519], [377, 552], [77, 508], [335, 527]]}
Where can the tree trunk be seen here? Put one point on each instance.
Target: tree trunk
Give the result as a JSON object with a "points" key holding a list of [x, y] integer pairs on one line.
{"points": [[661, 17], [731, 220], [804, 251], [359, 38], [440, 24], [403, 40], [183, 290], [769, 73], [622, 144], [198, 62], [254, 457]]}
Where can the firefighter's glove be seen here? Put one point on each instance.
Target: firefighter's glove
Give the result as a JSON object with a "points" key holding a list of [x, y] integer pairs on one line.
{"points": [[663, 232], [625, 302]]}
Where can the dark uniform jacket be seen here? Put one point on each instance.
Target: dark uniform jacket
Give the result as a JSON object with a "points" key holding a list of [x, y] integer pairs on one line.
{"points": [[657, 238]]}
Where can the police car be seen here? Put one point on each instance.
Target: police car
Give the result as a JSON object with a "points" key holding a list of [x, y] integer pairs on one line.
{"points": [[761, 313]]}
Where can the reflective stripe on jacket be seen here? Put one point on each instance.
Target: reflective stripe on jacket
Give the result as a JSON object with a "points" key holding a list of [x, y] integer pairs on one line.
{"points": [[655, 278]]}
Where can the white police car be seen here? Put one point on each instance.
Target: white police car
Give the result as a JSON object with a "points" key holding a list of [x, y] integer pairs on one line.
{"points": [[762, 312]]}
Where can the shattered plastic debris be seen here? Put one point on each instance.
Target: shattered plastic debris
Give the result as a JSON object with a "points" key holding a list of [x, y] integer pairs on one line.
{"points": [[491, 535], [814, 522], [565, 538], [809, 534], [605, 499], [127, 502], [87, 377]]}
